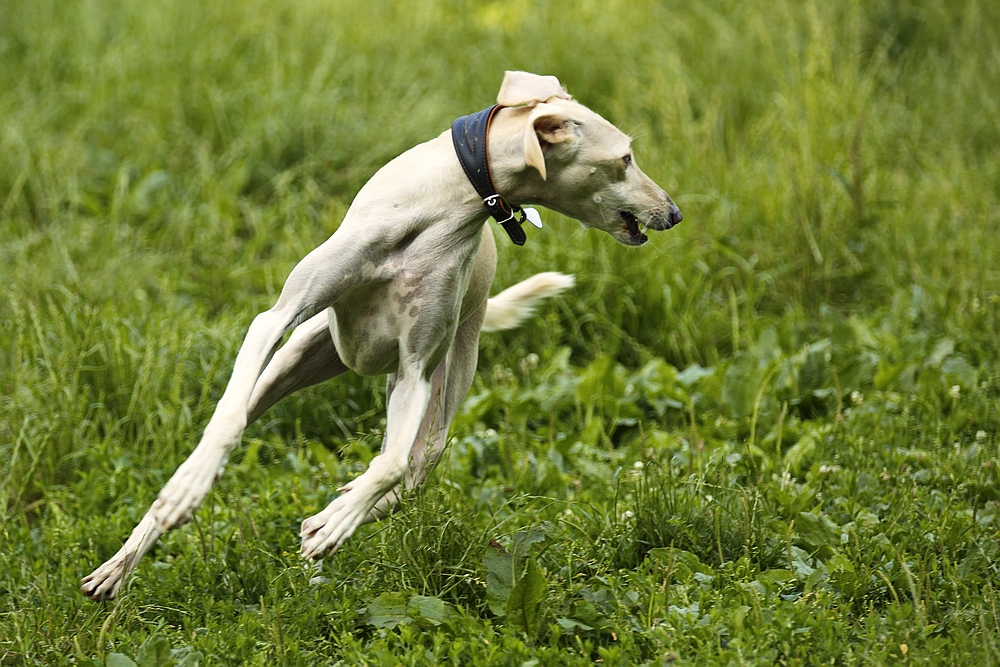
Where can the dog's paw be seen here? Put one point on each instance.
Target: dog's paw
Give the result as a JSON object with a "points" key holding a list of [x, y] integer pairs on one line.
{"points": [[104, 582], [327, 531]]}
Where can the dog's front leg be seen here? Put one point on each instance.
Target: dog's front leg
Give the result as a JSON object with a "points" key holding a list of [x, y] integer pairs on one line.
{"points": [[188, 487], [408, 405], [190, 484], [313, 285], [250, 385]]}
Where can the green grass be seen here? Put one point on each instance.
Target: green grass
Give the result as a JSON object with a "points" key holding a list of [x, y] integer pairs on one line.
{"points": [[769, 436]]}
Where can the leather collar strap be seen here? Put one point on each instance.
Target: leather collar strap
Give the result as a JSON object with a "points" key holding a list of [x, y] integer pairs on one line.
{"points": [[468, 133]]}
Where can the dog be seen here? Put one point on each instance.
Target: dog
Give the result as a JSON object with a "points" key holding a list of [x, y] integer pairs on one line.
{"points": [[401, 289]]}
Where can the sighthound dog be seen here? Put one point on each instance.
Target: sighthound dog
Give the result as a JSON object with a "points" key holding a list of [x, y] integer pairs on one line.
{"points": [[401, 288]]}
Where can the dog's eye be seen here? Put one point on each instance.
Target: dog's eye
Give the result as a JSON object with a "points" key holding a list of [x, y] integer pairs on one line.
{"points": [[627, 160]]}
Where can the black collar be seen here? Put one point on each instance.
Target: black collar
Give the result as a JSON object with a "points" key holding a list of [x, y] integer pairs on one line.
{"points": [[468, 133]]}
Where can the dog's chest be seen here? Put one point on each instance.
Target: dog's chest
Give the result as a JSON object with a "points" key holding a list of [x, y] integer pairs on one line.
{"points": [[373, 323]]}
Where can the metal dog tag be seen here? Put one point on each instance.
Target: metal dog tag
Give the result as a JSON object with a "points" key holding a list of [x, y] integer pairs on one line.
{"points": [[532, 216]]}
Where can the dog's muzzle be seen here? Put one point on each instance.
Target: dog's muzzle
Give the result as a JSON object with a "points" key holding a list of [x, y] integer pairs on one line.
{"points": [[658, 219], [668, 218], [634, 236], [675, 216]]}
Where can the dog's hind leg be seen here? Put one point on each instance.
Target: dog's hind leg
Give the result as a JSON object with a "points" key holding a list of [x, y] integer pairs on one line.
{"points": [[450, 384], [430, 439], [419, 414], [407, 407], [504, 311]]}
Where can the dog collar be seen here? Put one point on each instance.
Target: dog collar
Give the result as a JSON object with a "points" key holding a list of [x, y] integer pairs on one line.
{"points": [[468, 133]]}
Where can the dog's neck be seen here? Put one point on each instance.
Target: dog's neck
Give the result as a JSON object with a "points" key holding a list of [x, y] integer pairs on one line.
{"points": [[499, 175], [430, 188], [515, 180]]}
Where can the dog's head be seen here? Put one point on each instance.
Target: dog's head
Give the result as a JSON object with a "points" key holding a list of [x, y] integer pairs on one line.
{"points": [[585, 163]]}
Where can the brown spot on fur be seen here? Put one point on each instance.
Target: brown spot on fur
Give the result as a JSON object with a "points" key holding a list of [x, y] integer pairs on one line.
{"points": [[403, 300]]}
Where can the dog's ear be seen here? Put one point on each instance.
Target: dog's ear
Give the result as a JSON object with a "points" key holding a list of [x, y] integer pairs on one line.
{"points": [[525, 88], [548, 125]]}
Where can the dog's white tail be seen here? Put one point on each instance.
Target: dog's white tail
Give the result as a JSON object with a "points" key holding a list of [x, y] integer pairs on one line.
{"points": [[515, 304]]}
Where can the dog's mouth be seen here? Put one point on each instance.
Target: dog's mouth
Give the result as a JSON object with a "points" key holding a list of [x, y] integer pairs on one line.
{"points": [[630, 226]]}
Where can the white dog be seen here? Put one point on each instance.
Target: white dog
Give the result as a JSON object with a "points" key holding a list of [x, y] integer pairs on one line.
{"points": [[401, 288]]}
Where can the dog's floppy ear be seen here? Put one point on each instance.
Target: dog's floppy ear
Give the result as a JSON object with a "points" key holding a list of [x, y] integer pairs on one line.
{"points": [[525, 88], [547, 125]]}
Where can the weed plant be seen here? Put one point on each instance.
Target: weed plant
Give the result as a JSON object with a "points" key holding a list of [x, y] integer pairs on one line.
{"points": [[769, 436]]}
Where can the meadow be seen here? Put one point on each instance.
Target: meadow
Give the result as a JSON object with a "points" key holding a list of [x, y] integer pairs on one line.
{"points": [[769, 436]]}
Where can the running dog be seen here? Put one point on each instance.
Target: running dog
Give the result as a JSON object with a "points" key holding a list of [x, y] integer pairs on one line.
{"points": [[401, 289]]}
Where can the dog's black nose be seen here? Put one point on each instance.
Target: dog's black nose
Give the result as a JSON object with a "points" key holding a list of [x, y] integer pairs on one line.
{"points": [[675, 216]]}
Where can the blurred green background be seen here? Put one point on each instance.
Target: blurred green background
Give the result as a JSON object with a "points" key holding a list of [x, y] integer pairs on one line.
{"points": [[820, 335]]}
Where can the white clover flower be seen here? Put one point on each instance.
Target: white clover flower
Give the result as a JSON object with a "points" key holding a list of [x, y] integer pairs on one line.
{"points": [[857, 398], [529, 363], [955, 391], [980, 436]]}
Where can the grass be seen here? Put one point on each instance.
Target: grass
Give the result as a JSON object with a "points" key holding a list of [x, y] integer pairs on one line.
{"points": [[770, 436]]}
